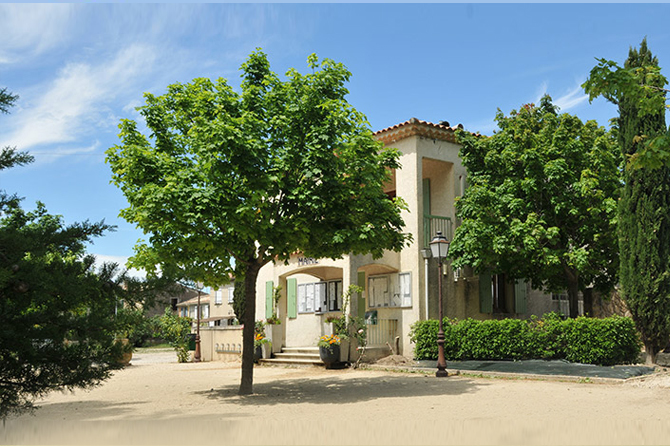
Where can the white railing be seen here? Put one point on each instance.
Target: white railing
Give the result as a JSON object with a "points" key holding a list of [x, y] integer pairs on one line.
{"points": [[385, 330]]}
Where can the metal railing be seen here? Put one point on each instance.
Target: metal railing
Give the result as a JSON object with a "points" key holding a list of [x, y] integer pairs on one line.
{"points": [[385, 330], [434, 223]]}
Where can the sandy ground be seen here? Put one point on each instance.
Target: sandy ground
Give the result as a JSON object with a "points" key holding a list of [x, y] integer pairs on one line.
{"points": [[157, 401]]}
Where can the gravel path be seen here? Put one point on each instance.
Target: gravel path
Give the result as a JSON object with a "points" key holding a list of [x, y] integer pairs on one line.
{"points": [[158, 401]]}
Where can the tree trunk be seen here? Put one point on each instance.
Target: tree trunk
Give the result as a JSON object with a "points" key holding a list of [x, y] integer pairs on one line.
{"points": [[650, 348], [573, 292], [588, 302], [247, 383]]}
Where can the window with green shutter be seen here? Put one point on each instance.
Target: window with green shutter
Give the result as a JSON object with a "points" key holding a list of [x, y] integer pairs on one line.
{"points": [[292, 298], [520, 296], [269, 285], [361, 298]]}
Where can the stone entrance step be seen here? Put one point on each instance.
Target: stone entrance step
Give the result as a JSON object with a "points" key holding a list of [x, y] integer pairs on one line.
{"points": [[302, 356]]}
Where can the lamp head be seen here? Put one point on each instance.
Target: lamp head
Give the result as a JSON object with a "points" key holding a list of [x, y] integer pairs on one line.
{"points": [[439, 246]]}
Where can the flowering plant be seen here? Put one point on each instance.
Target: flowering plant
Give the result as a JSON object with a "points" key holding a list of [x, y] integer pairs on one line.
{"points": [[259, 340], [328, 340]]}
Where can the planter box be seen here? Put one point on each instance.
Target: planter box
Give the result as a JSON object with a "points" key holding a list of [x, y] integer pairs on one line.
{"points": [[276, 335]]}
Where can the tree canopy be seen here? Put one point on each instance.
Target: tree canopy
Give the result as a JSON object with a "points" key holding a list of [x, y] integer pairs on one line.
{"points": [[644, 208], [226, 182], [541, 201]]}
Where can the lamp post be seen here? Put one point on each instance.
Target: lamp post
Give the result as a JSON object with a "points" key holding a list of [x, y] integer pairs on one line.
{"points": [[196, 357], [439, 247]]}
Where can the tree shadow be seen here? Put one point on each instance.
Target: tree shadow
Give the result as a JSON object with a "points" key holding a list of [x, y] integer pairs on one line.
{"points": [[341, 390], [87, 410]]}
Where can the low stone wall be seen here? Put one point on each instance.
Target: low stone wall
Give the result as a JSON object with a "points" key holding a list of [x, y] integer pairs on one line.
{"points": [[221, 343]]}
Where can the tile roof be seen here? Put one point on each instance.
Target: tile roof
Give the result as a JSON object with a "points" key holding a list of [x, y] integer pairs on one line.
{"points": [[204, 299], [416, 127]]}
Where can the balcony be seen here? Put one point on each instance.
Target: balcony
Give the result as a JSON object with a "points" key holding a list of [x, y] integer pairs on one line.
{"points": [[434, 223]]}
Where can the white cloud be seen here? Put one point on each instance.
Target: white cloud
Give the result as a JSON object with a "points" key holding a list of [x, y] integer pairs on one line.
{"points": [[571, 99], [121, 261], [77, 101], [31, 29]]}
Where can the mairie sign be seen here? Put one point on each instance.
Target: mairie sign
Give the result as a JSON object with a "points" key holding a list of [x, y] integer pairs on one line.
{"points": [[304, 261]]}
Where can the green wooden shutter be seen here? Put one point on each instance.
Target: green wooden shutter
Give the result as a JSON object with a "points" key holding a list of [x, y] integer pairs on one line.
{"points": [[485, 294], [292, 297], [426, 196], [520, 296], [361, 298], [268, 298]]}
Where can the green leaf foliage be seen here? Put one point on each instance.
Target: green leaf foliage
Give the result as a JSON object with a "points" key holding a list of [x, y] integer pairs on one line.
{"points": [[175, 330], [541, 201], [607, 341]]}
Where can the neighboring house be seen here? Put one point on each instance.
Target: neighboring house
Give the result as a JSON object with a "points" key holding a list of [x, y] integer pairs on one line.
{"points": [[220, 334], [170, 300]]}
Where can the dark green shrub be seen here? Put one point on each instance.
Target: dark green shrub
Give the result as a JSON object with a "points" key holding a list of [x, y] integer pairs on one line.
{"points": [[424, 336], [587, 340], [601, 341]]}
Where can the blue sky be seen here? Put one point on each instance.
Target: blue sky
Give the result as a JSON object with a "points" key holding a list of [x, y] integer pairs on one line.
{"points": [[80, 68]]}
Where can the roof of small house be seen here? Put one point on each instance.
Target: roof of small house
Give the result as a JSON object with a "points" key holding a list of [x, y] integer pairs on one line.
{"points": [[204, 299], [416, 127]]}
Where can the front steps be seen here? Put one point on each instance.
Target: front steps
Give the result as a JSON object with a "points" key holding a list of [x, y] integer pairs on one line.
{"points": [[296, 356]]}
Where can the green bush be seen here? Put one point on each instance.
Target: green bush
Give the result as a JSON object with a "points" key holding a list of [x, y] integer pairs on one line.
{"points": [[606, 341]]}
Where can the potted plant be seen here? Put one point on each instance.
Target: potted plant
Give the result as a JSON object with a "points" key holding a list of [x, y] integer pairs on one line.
{"points": [[275, 333], [262, 345], [329, 349]]}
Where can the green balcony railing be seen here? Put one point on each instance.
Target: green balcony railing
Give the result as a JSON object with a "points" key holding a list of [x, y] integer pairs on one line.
{"points": [[434, 223]]}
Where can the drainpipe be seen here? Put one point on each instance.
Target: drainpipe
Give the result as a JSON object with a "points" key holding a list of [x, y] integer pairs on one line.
{"points": [[425, 253]]}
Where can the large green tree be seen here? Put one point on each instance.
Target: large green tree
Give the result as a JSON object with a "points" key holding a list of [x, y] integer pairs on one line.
{"points": [[644, 208], [226, 182], [541, 204]]}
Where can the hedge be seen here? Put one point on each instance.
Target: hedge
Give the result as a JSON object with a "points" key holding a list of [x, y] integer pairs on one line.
{"points": [[586, 340]]}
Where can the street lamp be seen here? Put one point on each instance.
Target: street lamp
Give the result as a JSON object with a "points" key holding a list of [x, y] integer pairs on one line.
{"points": [[196, 357], [439, 247]]}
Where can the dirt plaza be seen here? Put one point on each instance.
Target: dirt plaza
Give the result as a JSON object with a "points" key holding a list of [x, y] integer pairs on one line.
{"points": [[158, 401]]}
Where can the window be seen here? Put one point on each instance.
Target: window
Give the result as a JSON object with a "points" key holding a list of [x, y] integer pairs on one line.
{"points": [[320, 297], [334, 295], [218, 300], [394, 290], [405, 288], [306, 298], [498, 283], [231, 293]]}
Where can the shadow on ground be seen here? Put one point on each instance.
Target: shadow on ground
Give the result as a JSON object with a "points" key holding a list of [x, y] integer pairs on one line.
{"points": [[334, 390]]}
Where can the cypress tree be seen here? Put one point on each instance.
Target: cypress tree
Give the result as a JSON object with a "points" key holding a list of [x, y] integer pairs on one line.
{"points": [[644, 220]]}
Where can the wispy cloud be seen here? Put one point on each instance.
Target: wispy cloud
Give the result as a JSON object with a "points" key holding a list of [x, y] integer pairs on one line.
{"points": [[31, 29], [78, 101], [574, 97]]}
